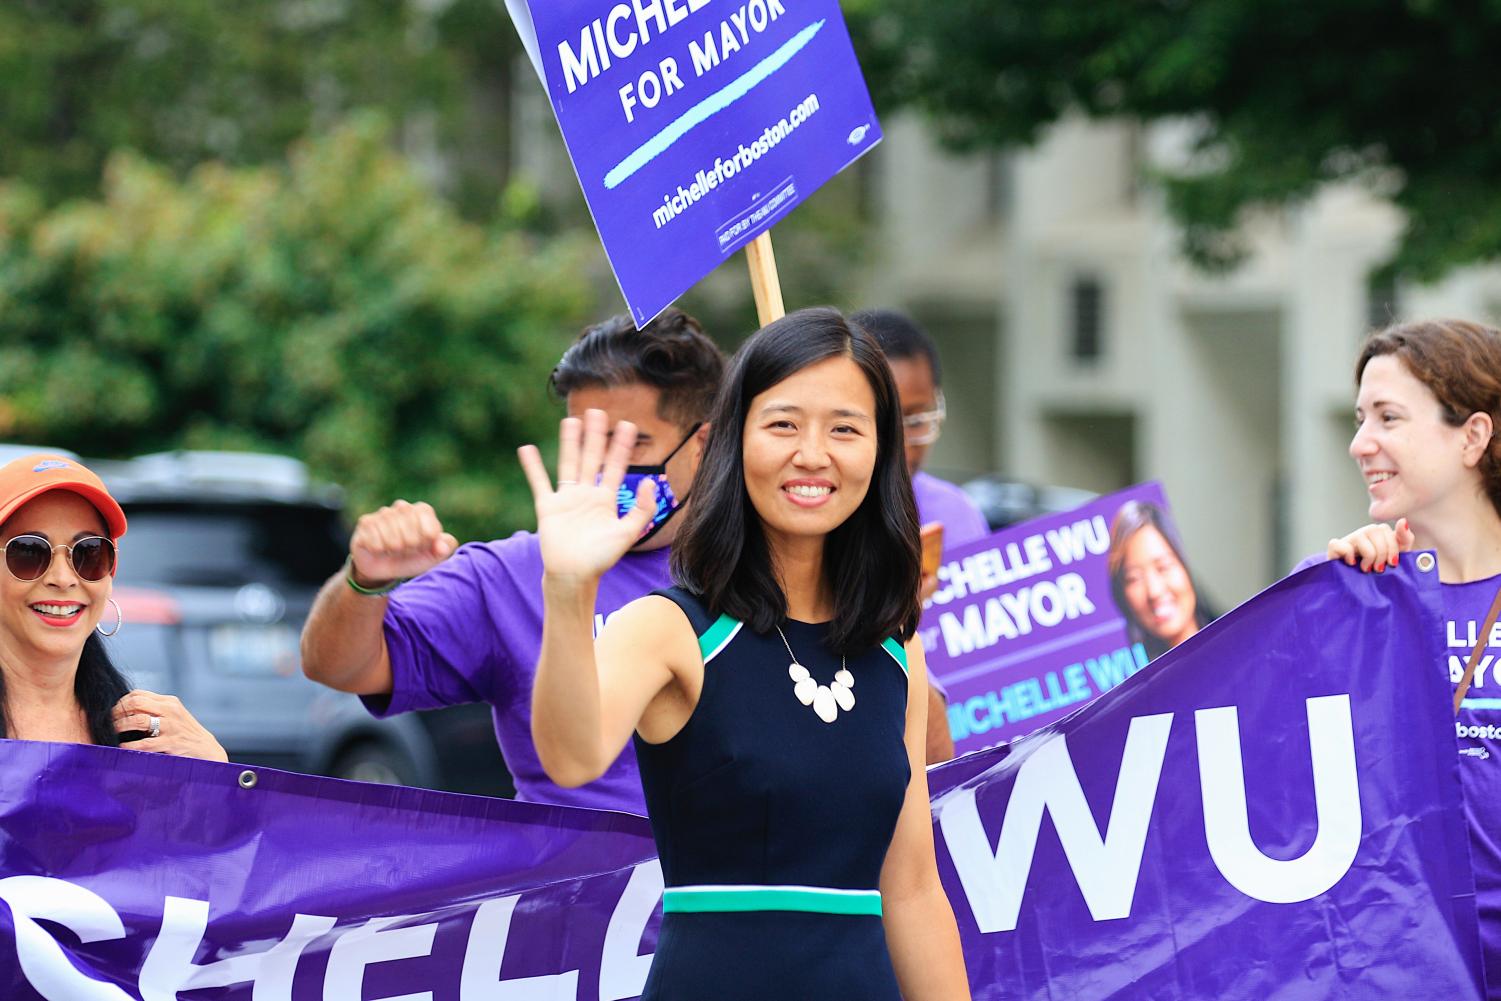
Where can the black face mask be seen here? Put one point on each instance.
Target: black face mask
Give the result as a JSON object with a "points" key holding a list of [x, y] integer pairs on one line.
{"points": [[668, 503]]}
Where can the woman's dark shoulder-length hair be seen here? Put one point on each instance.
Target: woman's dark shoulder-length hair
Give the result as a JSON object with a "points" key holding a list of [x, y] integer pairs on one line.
{"points": [[98, 685], [872, 561], [1130, 519]]}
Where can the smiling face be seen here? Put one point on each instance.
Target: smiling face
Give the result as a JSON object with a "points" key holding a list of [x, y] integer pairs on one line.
{"points": [[1157, 587], [1413, 461], [49, 618], [810, 449]]}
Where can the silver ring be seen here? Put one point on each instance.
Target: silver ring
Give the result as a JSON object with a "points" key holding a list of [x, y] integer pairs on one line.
{"points": [[568, 483], [155, 727]]}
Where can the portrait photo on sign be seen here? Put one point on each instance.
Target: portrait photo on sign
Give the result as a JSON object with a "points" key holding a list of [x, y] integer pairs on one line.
{"points": [[1150, 580]]}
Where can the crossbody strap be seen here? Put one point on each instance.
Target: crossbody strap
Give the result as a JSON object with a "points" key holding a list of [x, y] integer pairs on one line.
{"points": [[1485, 639]]}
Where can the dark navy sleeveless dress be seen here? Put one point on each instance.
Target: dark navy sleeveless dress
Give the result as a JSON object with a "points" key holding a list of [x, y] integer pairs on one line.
{"points": [[772, 825]]}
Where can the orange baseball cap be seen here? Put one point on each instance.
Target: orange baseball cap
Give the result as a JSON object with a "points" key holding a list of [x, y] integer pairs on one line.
{"points": [[33, 475]]}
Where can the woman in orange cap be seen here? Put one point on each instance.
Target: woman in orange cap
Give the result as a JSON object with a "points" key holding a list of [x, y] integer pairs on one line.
{"points": [[58, 526]]}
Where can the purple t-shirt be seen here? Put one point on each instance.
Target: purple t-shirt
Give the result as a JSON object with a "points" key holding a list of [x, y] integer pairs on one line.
{"points": [[941, 501], [1478, 728], [470, 630]]}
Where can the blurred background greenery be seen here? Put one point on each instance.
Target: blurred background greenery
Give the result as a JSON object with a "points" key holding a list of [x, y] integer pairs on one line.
{"points": [[330, 306], [1286, 96], [297, 227], [305, 226]]}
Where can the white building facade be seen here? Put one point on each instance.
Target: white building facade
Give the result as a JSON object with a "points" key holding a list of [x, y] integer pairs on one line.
{"points": [[1081, 349]]}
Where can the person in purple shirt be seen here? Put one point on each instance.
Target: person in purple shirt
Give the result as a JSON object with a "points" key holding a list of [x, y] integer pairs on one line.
{"points": [[913, 358], [1427, 409], [414, 621], [919, 380]]}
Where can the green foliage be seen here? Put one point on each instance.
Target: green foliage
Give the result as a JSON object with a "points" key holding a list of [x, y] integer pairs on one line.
{"points": [[1290, 93], [169, 278], [332, 307], [183, 82]]}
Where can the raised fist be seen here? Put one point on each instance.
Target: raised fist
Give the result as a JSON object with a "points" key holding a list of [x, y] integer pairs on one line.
{"points": [[397, 541]]}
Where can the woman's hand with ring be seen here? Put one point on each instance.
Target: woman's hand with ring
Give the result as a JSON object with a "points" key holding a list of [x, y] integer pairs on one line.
{"points": [[169, 727]]}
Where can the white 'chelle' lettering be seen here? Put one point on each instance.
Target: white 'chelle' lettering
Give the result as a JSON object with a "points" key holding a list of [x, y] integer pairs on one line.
{"points": [[169, 967]]}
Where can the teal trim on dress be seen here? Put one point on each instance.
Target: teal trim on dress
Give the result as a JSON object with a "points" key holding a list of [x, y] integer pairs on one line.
{"points": [[718, 636], [897, 651], [810, 899]]}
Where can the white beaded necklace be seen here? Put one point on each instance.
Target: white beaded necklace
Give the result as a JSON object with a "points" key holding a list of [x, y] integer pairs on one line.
{"points": [[826, 700]]}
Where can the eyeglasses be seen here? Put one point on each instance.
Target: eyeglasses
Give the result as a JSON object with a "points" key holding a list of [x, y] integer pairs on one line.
{"points": [[924, 428], [27, 557]]}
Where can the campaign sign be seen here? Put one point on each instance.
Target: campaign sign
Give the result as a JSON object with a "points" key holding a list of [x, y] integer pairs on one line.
{"points": [[695, 125], [1030, 623]]}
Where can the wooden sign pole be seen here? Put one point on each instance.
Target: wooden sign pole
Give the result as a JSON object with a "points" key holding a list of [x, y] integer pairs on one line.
{"points": [[764, 282]]}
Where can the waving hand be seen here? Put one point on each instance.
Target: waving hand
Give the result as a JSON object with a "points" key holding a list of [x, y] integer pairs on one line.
{"points": [[581, 536]]}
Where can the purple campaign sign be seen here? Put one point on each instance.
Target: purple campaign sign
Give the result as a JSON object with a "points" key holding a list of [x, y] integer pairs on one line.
{"points": [[695, 125], [1272, 810], [1024, 628]]}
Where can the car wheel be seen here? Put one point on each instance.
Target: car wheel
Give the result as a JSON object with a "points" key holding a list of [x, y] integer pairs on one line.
{"points": [[376, 763]]}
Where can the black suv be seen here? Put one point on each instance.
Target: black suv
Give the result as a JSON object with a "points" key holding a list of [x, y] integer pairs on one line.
{"points": [[224, 555]]}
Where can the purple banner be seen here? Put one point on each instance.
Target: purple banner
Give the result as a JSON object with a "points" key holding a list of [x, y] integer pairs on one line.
{"points": [[1026, 626], [1271, 810], [128, 875], [695, 126]]}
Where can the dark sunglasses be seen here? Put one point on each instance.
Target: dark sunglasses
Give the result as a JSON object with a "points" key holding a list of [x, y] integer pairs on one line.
{"points": [[27, 557]]}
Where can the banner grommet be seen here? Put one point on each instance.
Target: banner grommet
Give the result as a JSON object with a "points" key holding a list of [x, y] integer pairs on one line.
{"points": [[1426, 562], [247, 779]]}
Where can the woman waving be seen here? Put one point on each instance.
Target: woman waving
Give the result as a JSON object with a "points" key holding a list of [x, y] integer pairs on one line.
{"points": [[777, 706]]}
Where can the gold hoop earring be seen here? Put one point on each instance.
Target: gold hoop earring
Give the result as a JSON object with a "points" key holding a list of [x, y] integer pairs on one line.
{"points": [[119, 619]]}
